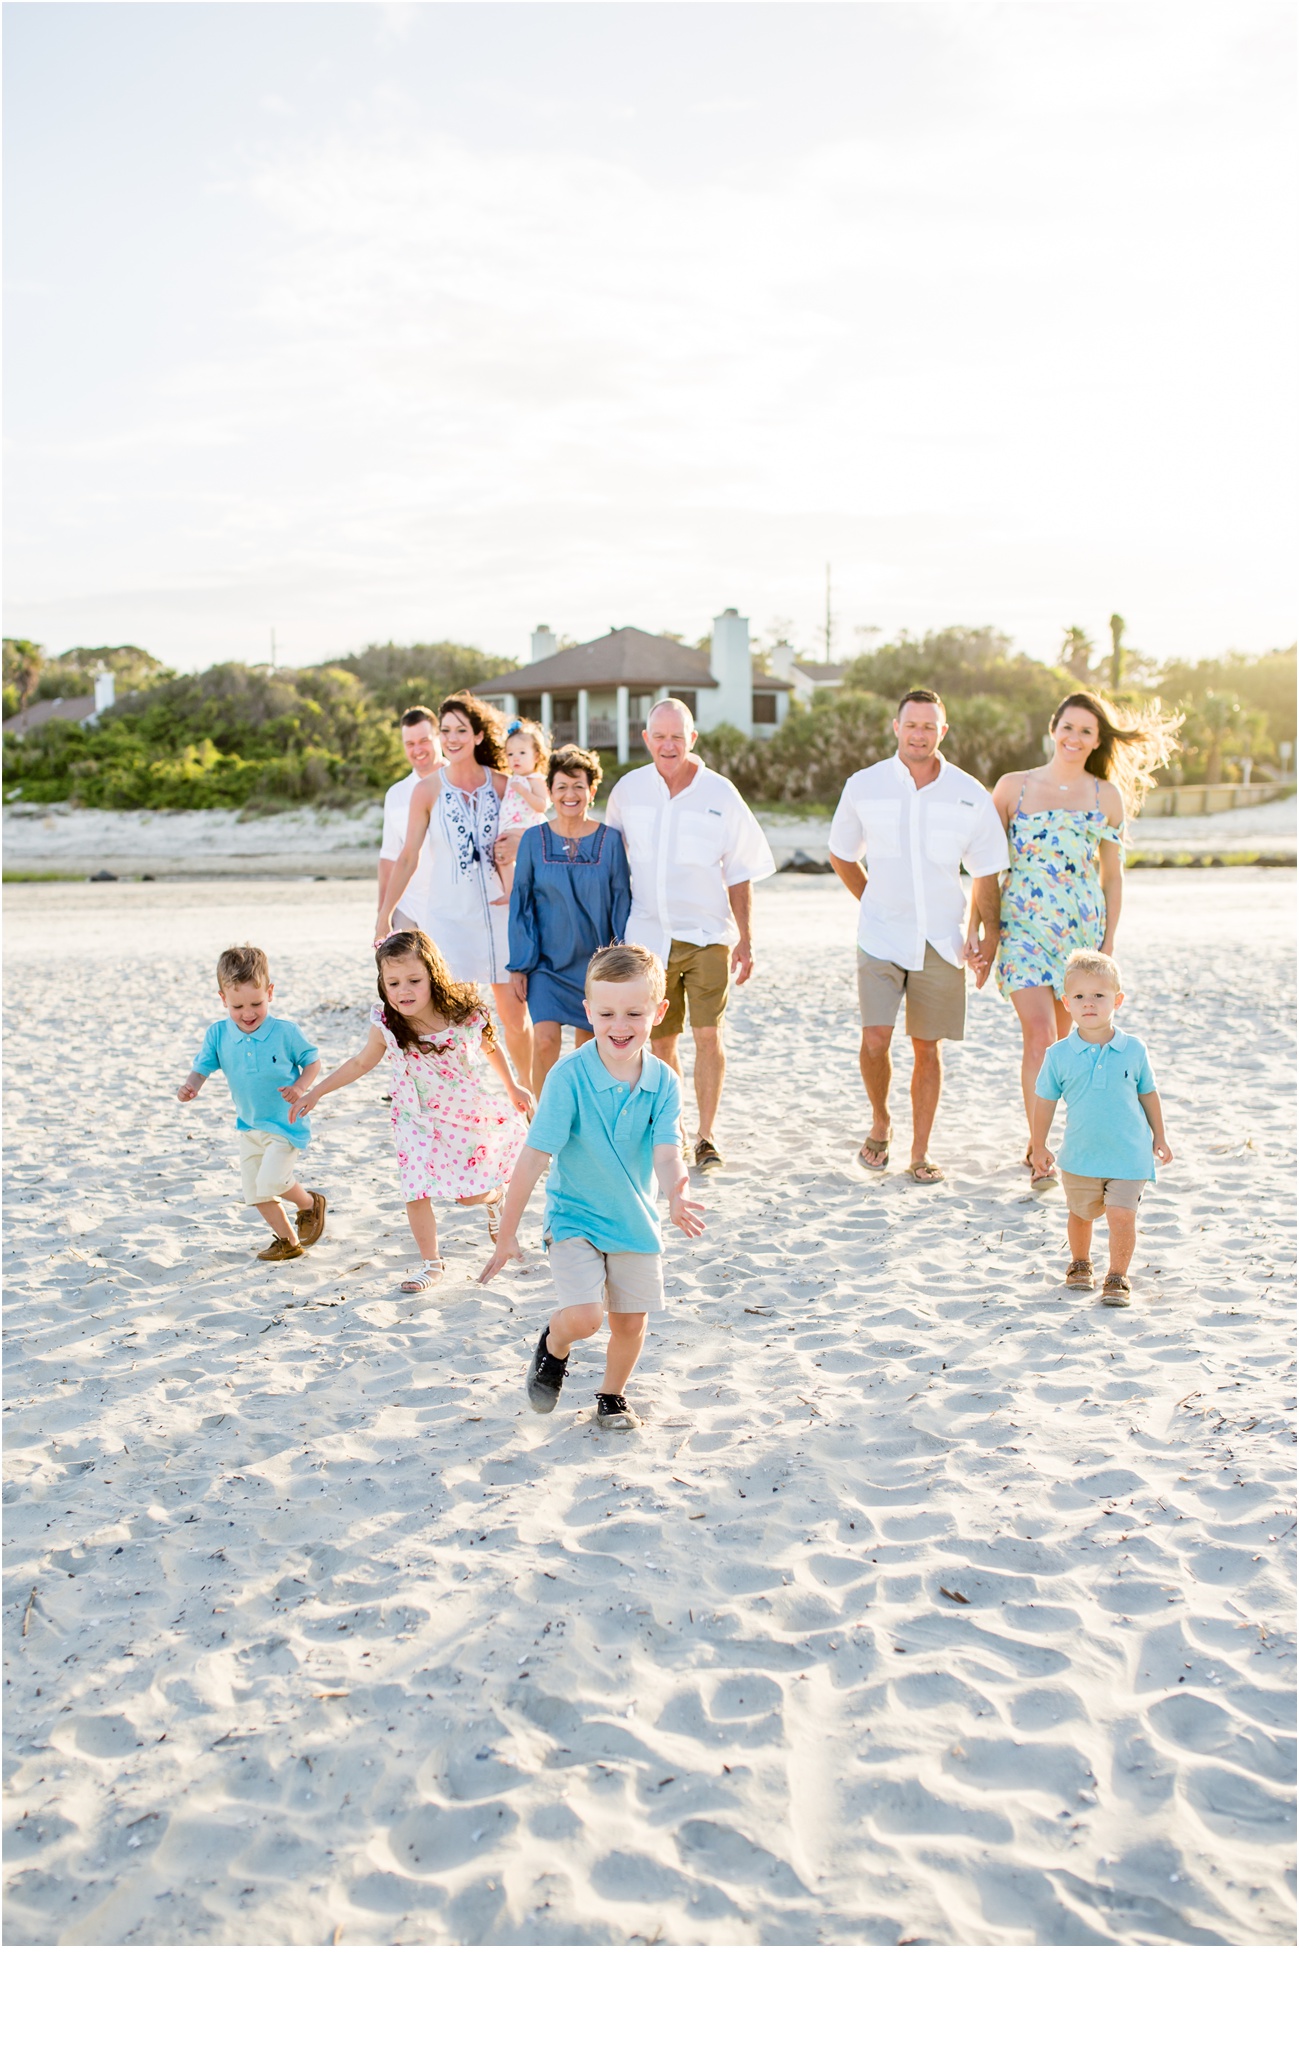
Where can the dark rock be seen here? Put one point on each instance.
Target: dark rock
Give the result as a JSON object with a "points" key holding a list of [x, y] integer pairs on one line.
{"points": [[800, 863], [103, 876]]}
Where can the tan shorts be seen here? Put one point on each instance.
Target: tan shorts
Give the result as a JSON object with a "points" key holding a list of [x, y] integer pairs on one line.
{"points": [[629, 1283], [935, 995], [268, 1164], [1089, 1195], [700, 975]]}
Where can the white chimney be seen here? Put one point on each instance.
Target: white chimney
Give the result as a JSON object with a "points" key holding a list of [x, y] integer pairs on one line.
{"points": [[105, 690], [781, 661], [544, 644], [731, 703]]}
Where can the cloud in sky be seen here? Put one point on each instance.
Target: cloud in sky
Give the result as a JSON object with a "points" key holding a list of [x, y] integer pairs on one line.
{"points": [[438, 320]]}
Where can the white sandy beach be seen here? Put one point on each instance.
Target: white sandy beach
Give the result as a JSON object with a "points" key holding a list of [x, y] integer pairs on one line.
{"points": [[932, 1604]]}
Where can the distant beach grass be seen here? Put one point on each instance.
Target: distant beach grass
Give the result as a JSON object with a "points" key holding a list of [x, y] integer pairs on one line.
{"points": [[43, 875]]}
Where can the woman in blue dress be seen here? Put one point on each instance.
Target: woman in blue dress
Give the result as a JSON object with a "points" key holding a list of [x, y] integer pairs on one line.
{"points": [[571, 895]]}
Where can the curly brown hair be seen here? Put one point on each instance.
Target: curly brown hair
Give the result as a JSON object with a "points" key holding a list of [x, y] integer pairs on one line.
{"points": [[574, 761], [488, 725], [457, 1001]]}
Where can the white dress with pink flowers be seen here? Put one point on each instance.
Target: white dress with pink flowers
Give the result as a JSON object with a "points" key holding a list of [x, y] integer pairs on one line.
{"points": [[456, 1133]]}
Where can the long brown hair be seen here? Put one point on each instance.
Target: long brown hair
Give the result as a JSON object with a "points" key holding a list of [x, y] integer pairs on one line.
{"points": [[1127, 756], [488, 725], [457, 1001]]}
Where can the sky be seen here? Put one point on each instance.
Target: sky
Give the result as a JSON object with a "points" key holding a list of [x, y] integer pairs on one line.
{"points": [[370, 322]]}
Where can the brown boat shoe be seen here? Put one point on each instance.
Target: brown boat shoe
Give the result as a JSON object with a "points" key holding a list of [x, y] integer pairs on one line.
{"points": [[283, 1248], [311, 1222]]}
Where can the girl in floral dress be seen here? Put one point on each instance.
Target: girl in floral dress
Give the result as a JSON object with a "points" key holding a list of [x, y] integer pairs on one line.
{"points": [[456, 1140], [1064, 888]]}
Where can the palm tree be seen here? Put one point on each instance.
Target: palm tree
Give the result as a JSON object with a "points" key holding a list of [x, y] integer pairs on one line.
{"points": [[1076, 654], [1219, 718], [1117, 626]]}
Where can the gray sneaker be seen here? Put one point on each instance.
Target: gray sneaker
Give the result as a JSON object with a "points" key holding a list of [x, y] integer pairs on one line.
{"points": [[545, 1376]]}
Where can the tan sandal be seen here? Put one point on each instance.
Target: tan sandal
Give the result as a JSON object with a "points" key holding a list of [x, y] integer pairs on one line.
{"points": [[874, 1154], [926, 1173], [1080, 1274], [425, 1276]]}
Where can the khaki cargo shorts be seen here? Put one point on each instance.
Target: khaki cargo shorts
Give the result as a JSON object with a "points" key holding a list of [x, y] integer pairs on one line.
{"points": [[700, 975], [267, 1164], [935, 995], [1089, 1195], [629, 1283]]}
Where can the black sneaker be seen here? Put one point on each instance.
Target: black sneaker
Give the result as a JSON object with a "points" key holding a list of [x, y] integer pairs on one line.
{"points": [[545, 1376], [612, 1412]]}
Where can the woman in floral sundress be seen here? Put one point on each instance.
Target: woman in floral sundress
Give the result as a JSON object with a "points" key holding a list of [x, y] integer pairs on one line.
{"points": [[456, 1139], [1064, 887]]}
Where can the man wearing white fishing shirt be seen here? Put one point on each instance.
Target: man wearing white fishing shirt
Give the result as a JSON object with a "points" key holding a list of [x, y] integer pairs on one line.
{"points": [[423, 748], [915, 820], [695, 850]]}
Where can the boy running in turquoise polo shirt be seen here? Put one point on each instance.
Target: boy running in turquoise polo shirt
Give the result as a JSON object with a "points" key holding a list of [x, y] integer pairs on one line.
{"points": [[1115, 1123], [609, 1122], [262, 1057]]}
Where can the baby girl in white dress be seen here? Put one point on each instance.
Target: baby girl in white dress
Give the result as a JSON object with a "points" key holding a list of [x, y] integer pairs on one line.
{"points": [[526, 799]]}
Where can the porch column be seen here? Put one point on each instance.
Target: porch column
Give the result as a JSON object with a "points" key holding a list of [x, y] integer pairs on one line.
{"points": [[509, 704], [547, 711], [624, 723], [583, 717]]}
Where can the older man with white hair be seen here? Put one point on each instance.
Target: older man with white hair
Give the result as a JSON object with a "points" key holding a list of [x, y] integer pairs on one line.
{"points": [[695, 850]]}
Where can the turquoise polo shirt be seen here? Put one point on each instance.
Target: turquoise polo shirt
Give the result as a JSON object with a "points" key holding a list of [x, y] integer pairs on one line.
{"points": [[600, 1134], [257, 1064], [1106, 1132]]}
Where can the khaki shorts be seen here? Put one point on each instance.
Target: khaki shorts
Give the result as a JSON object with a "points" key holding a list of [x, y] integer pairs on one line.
{"points": [[701, 974], [1089, 1195], [629, 1283], [268, 1164], [935, 995]]}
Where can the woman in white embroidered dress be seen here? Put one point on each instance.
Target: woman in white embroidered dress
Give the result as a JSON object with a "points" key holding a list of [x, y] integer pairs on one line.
{"points": [[457, 810]]}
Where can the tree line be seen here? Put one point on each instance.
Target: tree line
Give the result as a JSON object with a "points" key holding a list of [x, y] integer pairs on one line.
{"points": [[261, 738]]}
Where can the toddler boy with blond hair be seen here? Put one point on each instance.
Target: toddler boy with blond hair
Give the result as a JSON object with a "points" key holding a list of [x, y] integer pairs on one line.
{"points": [[1114, 1128], [262, 1057], [609, 1124]]}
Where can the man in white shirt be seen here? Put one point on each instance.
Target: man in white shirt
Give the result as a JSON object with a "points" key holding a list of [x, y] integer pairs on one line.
{"points": [[916, 820], [695, 850], [423, 748]]}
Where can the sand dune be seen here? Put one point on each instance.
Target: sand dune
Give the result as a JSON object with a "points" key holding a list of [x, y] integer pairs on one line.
{"points": [[932, 1604]]}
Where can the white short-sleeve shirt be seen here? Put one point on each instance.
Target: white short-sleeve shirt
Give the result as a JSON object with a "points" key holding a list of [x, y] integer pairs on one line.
{"points": [[914, 843], [685, 852], [396, 823]]}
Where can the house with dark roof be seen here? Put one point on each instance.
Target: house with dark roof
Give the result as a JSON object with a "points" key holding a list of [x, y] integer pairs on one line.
{"points": [[599, 694], [804, 676]]}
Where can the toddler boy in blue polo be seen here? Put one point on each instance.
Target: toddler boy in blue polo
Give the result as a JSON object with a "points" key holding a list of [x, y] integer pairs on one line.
{"points": [[1107, 1132], [257, 1064], [600, 1134]]}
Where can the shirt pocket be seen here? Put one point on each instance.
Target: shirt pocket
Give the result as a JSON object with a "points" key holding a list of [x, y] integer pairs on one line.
{"points": [[882, 824], [945, 834], [637, 827], [699, 840]]}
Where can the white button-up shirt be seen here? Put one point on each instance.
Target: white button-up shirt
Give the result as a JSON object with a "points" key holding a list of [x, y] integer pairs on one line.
{"points": [[685, 852], [914, 843], [396, 824]]}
